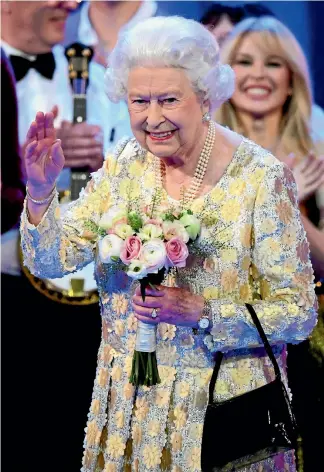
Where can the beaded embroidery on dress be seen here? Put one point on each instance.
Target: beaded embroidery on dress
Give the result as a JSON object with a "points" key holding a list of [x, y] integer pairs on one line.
{"points": [[264, 260]]}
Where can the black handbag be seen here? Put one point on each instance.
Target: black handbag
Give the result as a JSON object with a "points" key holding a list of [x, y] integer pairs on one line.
{"points": [[250, 427]]}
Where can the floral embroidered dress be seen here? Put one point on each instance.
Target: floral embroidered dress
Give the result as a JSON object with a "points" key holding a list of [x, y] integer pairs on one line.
{"points": [[252, 248]]}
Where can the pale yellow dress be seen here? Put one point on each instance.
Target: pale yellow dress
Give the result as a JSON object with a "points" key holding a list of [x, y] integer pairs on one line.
{"points": [[264, 258]]}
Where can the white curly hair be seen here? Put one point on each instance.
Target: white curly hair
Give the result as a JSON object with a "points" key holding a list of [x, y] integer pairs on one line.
{"points": [[171, 42]]}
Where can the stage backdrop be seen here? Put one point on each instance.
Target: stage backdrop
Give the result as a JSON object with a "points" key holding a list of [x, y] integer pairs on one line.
{"points": [[305, 19]]}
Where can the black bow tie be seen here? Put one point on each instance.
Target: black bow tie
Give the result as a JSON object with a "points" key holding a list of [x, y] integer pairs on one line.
{"points": [[44, 64]]}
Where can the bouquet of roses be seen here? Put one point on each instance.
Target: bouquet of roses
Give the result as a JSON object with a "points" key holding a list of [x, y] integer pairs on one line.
{"points": [[146, 248]]}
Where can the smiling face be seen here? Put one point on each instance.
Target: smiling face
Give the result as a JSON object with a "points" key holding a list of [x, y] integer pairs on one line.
{"points": [[263, 79], [165, 112]]}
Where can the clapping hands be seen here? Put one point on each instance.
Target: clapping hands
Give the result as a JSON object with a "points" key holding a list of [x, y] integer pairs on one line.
{"points": [[309, 174]]}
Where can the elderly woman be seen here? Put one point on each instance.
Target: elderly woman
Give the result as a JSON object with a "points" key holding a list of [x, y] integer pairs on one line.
{"points": [[252, 248]]}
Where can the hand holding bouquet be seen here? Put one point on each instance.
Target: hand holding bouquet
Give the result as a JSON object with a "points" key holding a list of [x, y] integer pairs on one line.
{"points": [[147, 248]]}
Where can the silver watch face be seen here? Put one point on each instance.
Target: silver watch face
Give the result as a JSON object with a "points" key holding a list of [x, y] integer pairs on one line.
{"points": [[203, 323]]}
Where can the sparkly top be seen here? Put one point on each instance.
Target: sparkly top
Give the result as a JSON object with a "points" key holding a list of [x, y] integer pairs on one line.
{"points": [[252, 248]]}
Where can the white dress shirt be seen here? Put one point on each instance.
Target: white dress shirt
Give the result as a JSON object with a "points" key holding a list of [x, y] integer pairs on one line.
{"points": [[37, 93]]}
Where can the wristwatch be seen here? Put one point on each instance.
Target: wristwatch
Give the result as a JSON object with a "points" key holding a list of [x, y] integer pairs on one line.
{"points": [[204, 321]]}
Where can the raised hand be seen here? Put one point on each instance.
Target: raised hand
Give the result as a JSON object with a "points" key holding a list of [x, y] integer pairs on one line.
{"points": [[44, 157], [309, 174]]}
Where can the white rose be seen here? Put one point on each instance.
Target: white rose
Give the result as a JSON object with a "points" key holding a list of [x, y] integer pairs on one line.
{"points": [[150, 231], [175, 229], [113, 216], [123, 230], [137, 270], [110, 247], [153, 255]]}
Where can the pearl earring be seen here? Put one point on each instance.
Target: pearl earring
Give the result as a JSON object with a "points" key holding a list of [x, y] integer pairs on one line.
{"points": [[206, 117]]}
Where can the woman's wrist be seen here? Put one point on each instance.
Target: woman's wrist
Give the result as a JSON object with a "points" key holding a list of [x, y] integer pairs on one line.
{"points": [[40, 195], [204, 320], [37, 206]]}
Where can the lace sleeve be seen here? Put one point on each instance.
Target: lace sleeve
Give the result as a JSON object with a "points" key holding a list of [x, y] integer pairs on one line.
{"points": [[281, 275], [63, 244]]}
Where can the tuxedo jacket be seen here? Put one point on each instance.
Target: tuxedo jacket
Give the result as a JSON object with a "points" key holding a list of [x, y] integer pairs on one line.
{"points": [[12, 184]]}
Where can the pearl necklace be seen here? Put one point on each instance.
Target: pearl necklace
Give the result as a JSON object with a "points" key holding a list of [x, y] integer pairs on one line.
{"points": [[190, 195]]}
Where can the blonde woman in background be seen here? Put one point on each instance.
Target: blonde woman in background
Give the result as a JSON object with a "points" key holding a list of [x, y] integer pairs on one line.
{"points": [[272, 106]]}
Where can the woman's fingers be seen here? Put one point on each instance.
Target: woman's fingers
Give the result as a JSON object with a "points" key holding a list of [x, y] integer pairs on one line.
{"points": [[156, 292], [314, 166], [40, 122], [313, 178], [146, 320], [57, 154], [55, 111], [30, 152], [311, 187], [150, 302], [315, 174], [49, 129], [145, 314], [31, 133]]}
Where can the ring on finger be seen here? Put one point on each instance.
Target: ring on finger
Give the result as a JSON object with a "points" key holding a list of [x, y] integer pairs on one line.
{"points": [[154, 313]]}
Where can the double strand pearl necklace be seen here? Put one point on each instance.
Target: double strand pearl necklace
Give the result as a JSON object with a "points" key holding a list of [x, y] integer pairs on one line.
{"points": [[190, 195]]}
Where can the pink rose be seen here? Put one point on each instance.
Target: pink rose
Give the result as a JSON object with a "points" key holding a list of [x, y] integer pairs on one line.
{"points": [[177, 252], [131, 249]]}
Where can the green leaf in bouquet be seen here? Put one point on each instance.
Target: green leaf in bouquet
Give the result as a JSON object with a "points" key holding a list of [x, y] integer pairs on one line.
{"points": [[135, 221], [94, 228], [156, 201], [114, 258], [169, 217]]}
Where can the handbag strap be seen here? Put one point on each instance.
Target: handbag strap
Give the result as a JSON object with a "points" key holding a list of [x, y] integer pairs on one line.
{"points": [[219, 354]]}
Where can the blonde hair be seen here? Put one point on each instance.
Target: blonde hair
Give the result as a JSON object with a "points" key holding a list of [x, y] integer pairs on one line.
{"points": [[295, 123]]}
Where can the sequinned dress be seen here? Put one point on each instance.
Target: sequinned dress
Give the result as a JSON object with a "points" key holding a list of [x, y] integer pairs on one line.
{"points": [[252, 248]]}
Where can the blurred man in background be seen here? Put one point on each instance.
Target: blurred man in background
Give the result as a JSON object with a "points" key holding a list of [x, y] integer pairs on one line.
{"points": [[45, 371], [31, 32], [98, 24]]}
